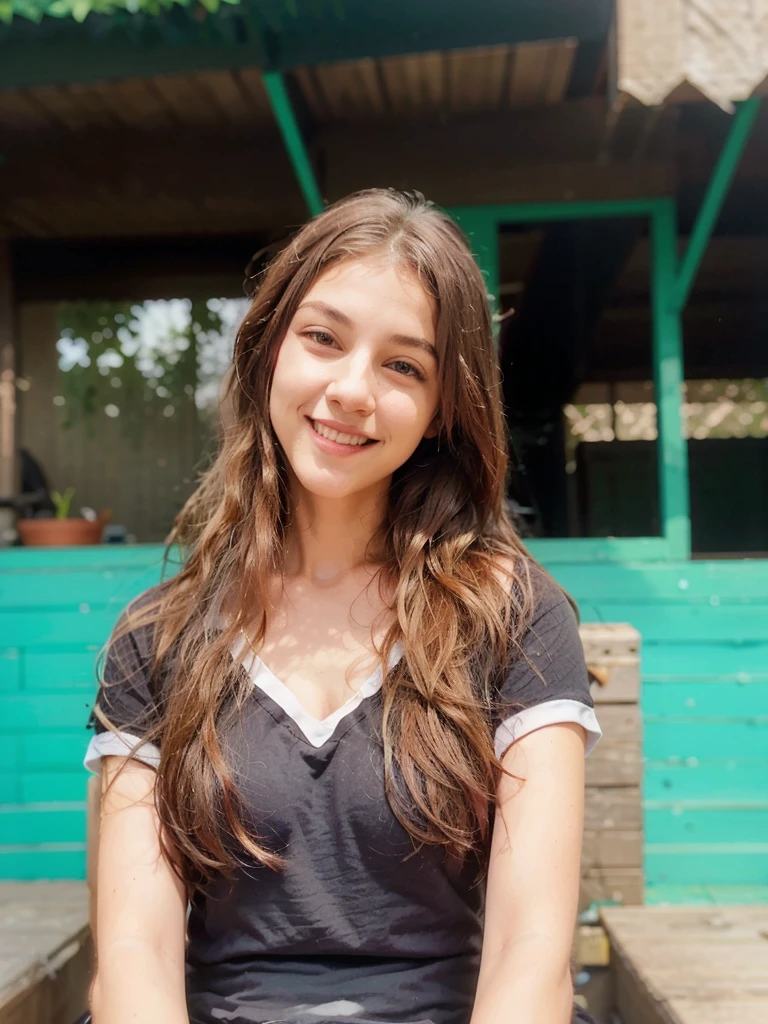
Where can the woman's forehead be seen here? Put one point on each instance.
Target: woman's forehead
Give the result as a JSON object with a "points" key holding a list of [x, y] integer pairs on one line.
{"points": [[374, 287]]}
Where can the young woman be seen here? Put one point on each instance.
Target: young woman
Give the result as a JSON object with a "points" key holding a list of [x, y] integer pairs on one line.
{"points": [[343, 747]]}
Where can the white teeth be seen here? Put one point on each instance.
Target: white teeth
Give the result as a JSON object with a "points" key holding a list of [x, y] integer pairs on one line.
{"points": [[334, 435]]}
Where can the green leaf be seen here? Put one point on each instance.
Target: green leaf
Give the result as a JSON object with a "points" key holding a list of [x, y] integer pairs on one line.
{"points": [[6, 11], [81, 9]]}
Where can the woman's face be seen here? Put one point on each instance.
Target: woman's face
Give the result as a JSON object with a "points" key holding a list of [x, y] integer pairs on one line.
{"points": [[355, 386]]}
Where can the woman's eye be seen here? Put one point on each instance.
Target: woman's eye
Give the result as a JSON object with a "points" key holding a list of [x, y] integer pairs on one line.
{"points": [[321, 337], [407, 369]]}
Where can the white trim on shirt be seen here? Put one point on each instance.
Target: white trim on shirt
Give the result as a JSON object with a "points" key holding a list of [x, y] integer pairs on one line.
{"points": [[549, 712]]}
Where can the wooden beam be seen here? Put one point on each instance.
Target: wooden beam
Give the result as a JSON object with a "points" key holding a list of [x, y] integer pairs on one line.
{"points": [[123, 182]]}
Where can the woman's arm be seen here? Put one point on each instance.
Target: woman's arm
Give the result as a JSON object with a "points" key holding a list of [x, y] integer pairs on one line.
{"points": [[140, 909], [533, 882]]}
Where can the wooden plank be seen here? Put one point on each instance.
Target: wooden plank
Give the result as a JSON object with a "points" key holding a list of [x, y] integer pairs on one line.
{"points": [[615, 763], [99, 558], [476, 78], [680, 823], [415, 84], [76, 628], [706, 863], [37, 787], [187, 99], [616, 683], [559, 68], [679, 966], [42, 823], [725, 662], [61, 107], [527, 82], [71, 587], [615, 808], [351, 89], [229, 97], [22, 712], [710, 865], [620, 722], [713, 779], [619, 885], [44, 860], [140, 103], [45, 953], [49, 671], [706, 623], [610, 642], [88, 97], [254, 93], [704, 699], [10, 669], [698, 582], [684, 739], [616, 848], [19, 111], [726, 1011], [59, 750]]}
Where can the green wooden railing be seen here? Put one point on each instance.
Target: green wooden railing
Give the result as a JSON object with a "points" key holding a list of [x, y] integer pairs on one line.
{"points": [[704, 701]]}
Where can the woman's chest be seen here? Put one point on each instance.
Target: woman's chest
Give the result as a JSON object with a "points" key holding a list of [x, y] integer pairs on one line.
{"points": [[323, 790], [322, 647]]}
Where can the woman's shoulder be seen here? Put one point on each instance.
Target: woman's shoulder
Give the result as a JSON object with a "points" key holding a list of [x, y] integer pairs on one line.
{"points": [[528, 583]]}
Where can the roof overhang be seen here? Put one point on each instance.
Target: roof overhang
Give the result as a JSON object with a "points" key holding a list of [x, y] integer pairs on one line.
{"points": [[671, 50], [275, 34]]}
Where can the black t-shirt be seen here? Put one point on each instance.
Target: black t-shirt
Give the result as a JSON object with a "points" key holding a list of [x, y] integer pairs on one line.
{"points": [[356, 927]]}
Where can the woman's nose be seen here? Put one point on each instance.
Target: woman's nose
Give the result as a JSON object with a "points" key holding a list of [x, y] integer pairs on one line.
{"points": [[352, 386]]}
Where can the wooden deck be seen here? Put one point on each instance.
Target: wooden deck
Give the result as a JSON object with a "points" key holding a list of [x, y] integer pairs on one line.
{"points": [[45, 952], [689, 965]]}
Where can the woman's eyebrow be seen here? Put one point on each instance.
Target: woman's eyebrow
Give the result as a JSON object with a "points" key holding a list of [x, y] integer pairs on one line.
{"points": [[411, 342], [330, 311], [341, 318]]}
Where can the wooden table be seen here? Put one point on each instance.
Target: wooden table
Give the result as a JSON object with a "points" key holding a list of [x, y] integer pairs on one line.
{"points": [[45, 952], [690, 965]]}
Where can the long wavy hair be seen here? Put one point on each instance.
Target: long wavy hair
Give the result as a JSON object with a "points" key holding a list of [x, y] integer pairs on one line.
{"points": [[446, 550]]}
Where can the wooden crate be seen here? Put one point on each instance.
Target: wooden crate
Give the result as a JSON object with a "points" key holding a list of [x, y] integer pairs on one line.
{"points": [[612, 853]]}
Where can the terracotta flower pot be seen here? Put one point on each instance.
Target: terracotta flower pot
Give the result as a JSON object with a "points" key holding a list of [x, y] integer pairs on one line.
{"points": [[59, 533]]}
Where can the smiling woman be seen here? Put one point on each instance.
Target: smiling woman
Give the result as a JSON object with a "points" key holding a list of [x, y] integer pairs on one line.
{"points": [[359, 713], [356, 375]]}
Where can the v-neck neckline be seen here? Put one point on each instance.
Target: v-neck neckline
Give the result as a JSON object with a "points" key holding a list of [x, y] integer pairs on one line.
{"points": [[316, 731]]}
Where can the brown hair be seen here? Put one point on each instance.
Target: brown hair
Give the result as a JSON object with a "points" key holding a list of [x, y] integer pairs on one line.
{"points": [[449, 555]]}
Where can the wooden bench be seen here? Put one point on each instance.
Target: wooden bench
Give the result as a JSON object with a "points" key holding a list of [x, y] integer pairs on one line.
{"points": [[689, 965], [45, 952]]}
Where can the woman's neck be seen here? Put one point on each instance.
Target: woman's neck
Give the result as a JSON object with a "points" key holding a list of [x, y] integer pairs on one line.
{"points": [[330, 538]]}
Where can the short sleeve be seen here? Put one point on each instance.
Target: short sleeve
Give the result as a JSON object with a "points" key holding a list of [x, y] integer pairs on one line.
{"points": [[547, 682], [125, 698]]}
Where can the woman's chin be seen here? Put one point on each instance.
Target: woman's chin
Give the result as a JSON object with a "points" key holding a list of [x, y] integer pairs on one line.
{"points": [[331, 486]]}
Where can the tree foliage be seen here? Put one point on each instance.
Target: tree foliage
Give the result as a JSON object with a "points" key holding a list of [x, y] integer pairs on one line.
{"points": [[36, 10], [113, 359]]}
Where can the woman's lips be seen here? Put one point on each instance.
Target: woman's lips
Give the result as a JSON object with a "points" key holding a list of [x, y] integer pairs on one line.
{"points": [[334, 447]]}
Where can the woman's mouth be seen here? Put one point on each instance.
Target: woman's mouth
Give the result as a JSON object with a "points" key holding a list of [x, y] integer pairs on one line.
{"points": [[338, 439]]}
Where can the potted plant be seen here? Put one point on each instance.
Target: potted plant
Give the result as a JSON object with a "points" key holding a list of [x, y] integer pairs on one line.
{"points": [[61, 530]]}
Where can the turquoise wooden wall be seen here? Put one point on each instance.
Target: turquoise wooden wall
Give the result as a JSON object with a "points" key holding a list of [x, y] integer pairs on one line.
{"points": [[705, 706]]}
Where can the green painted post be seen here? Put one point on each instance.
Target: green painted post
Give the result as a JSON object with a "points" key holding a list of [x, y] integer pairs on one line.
{"points": [[481, 225], [669, 378], [727, 162], [297, 151]]}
